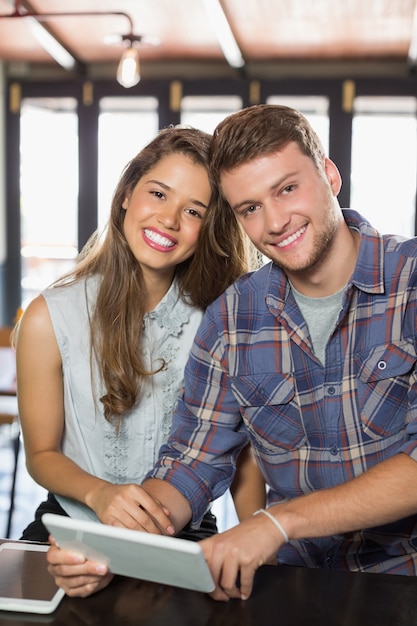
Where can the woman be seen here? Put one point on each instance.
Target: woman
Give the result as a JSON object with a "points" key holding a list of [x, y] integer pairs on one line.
{"points": [[101, 353]]}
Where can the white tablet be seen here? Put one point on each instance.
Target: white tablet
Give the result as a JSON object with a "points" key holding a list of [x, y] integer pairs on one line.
{"points": [[161, 559], [25, 583]]}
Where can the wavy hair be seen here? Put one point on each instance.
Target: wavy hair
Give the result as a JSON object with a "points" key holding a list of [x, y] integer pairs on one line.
{"points": [[258, 130], [117, 320]]}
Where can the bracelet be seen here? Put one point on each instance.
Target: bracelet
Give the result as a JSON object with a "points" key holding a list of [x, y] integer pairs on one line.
{"points": [[275, 521]]}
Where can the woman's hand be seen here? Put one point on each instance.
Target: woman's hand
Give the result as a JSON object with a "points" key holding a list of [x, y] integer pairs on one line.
{"points": [[126, 506], [76, 575], [129, 506]]}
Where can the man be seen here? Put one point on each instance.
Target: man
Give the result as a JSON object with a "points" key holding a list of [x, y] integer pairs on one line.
{"points": [[312, 359]]}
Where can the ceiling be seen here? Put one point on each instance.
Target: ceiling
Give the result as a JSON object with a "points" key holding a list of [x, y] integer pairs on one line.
{"points": [[268, 32]]}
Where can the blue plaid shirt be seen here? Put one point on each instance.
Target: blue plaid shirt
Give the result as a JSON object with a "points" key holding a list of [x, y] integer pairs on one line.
{"points": [[252, 375]]}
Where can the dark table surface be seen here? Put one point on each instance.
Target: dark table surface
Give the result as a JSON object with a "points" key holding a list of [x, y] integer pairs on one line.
{"points": [[284, 596]]}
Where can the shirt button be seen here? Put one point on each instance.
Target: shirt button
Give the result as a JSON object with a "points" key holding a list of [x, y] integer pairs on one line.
{"points": [[331, 391], [328, 561], [334, 450], [382, 365]]}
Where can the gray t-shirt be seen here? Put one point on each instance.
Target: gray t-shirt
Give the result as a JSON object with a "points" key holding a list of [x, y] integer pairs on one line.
{"points": [[321, 315]]}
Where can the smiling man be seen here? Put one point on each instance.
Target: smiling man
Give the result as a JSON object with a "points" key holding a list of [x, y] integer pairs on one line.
{"points": [[312, 359]]}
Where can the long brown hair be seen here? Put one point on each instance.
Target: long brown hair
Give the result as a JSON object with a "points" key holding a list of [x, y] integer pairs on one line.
{"points": [[117, 319]]}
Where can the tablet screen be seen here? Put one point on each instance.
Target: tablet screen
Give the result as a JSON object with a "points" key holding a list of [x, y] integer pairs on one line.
{"points": [[25, 583]]}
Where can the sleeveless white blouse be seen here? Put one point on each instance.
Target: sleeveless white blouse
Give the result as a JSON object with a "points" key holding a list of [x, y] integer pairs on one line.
{"points": [[88, 439]]}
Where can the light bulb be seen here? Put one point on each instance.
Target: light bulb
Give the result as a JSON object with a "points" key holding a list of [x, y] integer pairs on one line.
{"points": [[128, 72]]}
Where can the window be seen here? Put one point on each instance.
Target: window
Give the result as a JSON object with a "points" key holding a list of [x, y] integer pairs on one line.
{"points": [[126, 125], [49, 191], [383, 180], [205, 112]]}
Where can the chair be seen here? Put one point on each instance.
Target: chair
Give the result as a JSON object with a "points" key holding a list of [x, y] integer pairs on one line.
{"points": [[9, 411]]}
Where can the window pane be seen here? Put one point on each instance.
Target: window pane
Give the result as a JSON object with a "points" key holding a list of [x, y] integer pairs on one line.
{"points": [[383, 184], [49, 191], [126, 125], [205, 112]]}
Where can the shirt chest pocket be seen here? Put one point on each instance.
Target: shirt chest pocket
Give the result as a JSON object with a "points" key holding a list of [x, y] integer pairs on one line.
{"points": [[383, 382], [267, 407]]}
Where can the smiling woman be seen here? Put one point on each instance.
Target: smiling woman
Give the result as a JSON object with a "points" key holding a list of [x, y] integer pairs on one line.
{"points": [[164, 213], [101, 353]]}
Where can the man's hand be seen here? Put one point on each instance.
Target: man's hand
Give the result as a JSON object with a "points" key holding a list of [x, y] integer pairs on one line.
{"points": [[234, 556]]}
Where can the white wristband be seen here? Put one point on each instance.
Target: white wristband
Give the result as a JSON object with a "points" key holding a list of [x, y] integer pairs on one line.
{"points": [[275, 521]]}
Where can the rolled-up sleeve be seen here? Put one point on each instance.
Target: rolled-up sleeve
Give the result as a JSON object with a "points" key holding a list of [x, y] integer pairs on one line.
{"points": [[207, 429]]}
